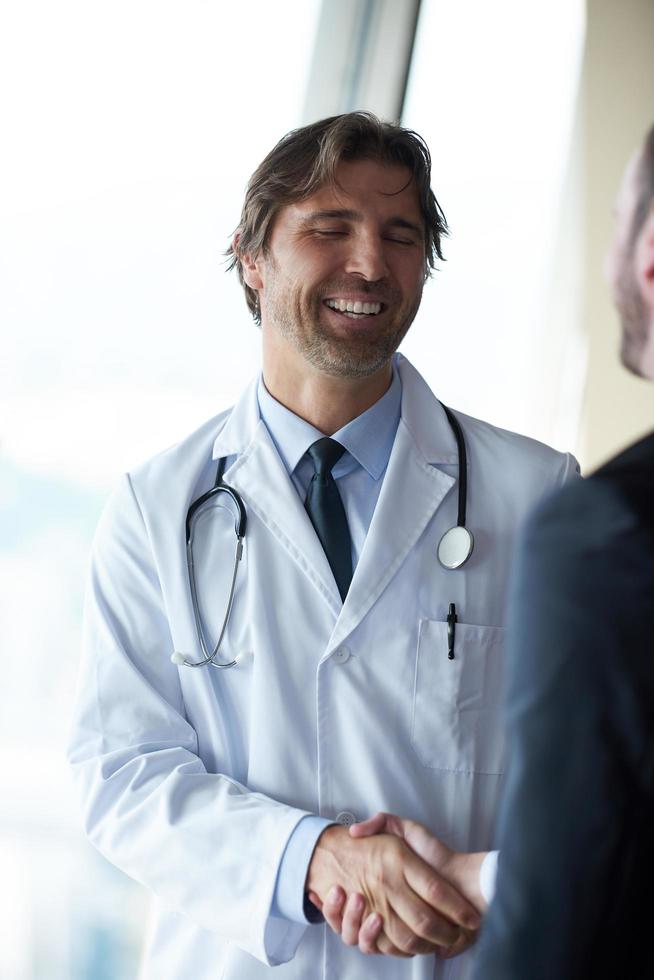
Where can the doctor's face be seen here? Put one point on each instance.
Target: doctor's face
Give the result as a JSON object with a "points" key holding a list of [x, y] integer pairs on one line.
{"points": [[341, 280]]}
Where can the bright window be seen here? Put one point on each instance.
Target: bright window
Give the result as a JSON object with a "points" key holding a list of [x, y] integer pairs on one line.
{"points": [[129, 131], [493, 89]]}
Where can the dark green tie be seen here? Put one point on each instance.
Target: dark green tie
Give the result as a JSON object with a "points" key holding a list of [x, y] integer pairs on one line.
{"points": [[326, 512]]}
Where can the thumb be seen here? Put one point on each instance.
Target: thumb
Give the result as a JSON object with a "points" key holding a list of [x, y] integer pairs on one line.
{"points": [[381, 823], [432, 850], [371, 826]]}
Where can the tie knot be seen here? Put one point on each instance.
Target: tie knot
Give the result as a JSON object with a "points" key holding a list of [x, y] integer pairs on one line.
{"points": [[324, 454]]}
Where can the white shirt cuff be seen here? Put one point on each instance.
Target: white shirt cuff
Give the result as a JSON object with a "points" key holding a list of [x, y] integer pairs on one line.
{"points": [[487, 875], [288, 898]]}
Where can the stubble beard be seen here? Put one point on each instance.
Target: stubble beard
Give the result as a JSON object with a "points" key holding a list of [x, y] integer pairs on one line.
{"points": [[356, 355], [634, 319]]}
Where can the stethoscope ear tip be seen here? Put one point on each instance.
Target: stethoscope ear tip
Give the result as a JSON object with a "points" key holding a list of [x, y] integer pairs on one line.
{"points": [[178, 658]]}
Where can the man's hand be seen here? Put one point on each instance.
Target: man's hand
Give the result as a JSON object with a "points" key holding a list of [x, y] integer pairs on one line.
{"points": [[419, 911], [345, 911]]}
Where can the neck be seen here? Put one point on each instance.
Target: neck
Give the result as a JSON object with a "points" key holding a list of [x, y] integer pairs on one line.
{"points": [[325, 401], [647, 364]]}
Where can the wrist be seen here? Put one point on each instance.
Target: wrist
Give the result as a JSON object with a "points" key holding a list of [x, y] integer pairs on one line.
{"points": [[322, 872], [463, 870]]}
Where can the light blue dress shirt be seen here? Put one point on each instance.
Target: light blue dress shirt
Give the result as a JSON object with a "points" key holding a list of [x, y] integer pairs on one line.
{"points": [[359, 473]]}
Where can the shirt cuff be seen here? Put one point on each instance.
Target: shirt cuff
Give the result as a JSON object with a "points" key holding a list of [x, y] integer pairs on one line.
{"points": [[288, 899], [487, 875]]}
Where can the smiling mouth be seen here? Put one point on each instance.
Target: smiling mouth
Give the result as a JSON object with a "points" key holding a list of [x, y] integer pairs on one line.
{"points": [[355, 309]]}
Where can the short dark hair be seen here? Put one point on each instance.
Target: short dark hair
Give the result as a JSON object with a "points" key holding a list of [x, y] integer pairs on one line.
{"points": [[644, 185], [306, 159]]}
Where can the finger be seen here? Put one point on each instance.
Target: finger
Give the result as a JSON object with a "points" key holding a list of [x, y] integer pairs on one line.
{"points": [[411, 942], [315, 900], [369, 934], [464, 942], [441, 897], [332, 908], [387, 948], [367, 828], [425, 845], [352, 917]]}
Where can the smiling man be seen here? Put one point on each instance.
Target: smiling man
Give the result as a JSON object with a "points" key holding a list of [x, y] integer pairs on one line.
{"points": [[339, 284], [360, 672]]}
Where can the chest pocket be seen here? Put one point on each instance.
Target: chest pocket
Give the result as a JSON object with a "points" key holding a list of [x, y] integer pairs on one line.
{"points": [[457, 704]]}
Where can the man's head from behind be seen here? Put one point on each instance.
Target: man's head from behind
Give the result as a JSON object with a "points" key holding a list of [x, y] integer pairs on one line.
{"points": [[307, 159], [630, 262]]}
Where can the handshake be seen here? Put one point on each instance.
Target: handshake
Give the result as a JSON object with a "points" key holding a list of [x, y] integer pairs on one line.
{"points": [[389, 886]]}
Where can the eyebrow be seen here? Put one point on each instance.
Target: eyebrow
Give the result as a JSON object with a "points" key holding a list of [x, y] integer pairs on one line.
{"points": [[346, 214]]}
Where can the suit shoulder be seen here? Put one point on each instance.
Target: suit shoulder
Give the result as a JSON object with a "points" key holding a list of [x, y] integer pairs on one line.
{"points": [[598, 514], [638, 458], [631, 474], [623, 486]]}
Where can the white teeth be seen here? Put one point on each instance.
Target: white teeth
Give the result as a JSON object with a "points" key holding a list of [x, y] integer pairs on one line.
{"points": [[357, 307]]}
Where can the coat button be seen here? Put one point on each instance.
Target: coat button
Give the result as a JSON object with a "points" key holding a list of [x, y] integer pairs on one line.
{"points": [[342, 655], [345, 818]]}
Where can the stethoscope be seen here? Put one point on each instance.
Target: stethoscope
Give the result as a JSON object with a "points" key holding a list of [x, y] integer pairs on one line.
{"points": [[454, 548]]}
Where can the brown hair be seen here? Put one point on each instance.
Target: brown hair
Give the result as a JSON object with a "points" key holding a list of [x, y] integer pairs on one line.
{"points": [[306, 159], [644, 186]]}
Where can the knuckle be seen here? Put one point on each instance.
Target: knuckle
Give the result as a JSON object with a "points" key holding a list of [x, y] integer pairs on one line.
{"points": [[333, 921], [412, 945], [424, 925], [406, 941], [435, 892], [387, 948]]}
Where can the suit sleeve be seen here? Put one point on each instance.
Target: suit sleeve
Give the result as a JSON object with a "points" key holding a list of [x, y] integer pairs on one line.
{"points": [[579, 715], [201, 841]]}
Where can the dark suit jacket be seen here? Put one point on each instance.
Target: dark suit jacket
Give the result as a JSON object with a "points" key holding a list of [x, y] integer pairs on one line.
{"points": [[575, 887]]}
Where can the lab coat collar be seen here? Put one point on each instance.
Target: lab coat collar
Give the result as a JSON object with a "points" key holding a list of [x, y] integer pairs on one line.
{"points": [[412, 491], [241, 425], [261, 478], [429, 428], [425, 418], [367, 438]]}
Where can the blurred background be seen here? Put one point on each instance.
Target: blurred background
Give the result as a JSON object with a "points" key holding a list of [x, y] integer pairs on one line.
{"points": [[129, 130]]}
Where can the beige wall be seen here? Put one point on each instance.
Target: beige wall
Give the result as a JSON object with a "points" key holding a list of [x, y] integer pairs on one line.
{"points": [[618, 101]]}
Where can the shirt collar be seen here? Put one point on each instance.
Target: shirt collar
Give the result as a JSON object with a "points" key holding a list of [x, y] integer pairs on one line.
{"points": [[368, 438]]}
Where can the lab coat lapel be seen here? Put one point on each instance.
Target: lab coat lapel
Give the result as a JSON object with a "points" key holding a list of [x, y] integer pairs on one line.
{"points": [[260, 477], [412, 491]]}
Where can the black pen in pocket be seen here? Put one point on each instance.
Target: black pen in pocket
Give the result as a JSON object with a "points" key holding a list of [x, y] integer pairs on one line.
{"points": [[451, 626]]}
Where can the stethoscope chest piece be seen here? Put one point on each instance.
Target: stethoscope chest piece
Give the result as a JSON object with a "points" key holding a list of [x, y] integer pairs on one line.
{"points": [[455, 547]]}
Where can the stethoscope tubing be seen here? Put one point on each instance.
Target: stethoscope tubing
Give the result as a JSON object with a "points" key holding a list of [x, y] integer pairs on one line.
{"points": [[463, 465], [240, 524]]}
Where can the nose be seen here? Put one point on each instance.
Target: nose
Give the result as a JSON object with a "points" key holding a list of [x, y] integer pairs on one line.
{"points": [[366, 257]]}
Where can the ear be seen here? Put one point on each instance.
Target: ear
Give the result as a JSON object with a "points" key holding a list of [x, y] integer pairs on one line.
{"points": [[644, 259], [250, 266]]}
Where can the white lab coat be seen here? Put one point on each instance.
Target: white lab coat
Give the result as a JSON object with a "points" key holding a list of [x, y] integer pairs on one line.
{"points": [[192, 780]]}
